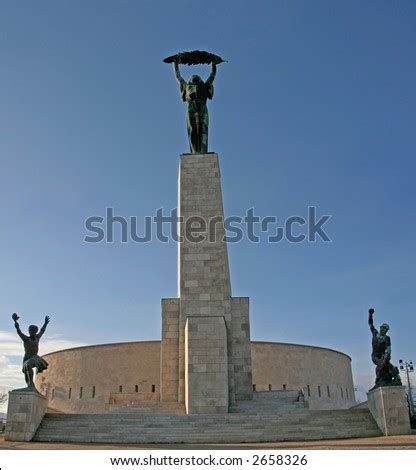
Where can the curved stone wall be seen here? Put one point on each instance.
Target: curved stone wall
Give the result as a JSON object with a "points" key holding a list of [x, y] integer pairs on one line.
{"points": [[325, 375], [84, 379], [89, 379]]}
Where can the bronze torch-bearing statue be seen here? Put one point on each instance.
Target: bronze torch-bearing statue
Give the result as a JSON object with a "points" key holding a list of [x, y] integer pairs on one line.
{"points": [[386, 373]]}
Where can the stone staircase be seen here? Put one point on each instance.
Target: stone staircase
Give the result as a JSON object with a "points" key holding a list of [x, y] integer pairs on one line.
{"points": [[270, 402], [272, 416], [149, 409]]}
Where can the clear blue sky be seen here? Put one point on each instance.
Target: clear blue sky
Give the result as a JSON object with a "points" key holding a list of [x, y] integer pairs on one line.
{"points": [[316, 106]]}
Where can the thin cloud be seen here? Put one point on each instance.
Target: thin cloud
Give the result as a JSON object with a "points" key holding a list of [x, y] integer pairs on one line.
{"points": [[11, 344], [363, 383]]}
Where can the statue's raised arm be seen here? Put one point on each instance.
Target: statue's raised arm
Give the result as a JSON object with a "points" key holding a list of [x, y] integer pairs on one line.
{"points": [[211, 78], [177, 72], [42, 330], [371, 321], [22, 336]]}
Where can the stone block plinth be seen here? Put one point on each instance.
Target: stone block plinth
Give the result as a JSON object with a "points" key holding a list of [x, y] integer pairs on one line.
{"points": [[388, 405], [169, 353], [241, 348], [206, 366], [24, 414]]}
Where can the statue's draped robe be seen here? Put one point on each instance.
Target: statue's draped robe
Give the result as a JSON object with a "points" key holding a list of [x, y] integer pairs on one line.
{"points": [[195, 93]]}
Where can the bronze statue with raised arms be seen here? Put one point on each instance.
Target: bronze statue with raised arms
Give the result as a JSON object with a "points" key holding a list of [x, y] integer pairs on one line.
{"points": [[31, 359]]}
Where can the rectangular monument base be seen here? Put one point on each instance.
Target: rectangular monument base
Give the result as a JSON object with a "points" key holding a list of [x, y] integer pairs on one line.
{"points": [[206, 367], [24, 414], [388, 405]]}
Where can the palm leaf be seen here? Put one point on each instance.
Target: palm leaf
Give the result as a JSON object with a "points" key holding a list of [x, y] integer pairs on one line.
{"points": [[194, 58]]}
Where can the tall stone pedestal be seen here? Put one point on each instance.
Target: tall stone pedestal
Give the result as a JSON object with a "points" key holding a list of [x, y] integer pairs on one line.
{"points": [[206, 350], [25, 412], [388, 405]]}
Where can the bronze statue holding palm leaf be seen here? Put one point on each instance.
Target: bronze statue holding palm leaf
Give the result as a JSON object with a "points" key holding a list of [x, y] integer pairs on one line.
{"points": [[196, 92]]}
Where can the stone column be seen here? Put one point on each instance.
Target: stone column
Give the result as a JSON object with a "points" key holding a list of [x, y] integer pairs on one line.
{"points": [[203, 273], [388, 405], [25, 412], [205, 330]]}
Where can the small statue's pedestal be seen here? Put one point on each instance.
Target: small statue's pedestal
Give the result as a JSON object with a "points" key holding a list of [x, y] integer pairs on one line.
{"points": [[388, 405], [24, 414]]}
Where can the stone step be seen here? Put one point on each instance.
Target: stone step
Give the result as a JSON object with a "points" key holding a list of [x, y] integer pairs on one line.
{"points": [[280, 402], [249, 421], [276, 395], [265, 407], [143, 421], [263, 402], [300, 412], [149, 408], [123, 428], [214, 438], [270, 402], [246, 430]]}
